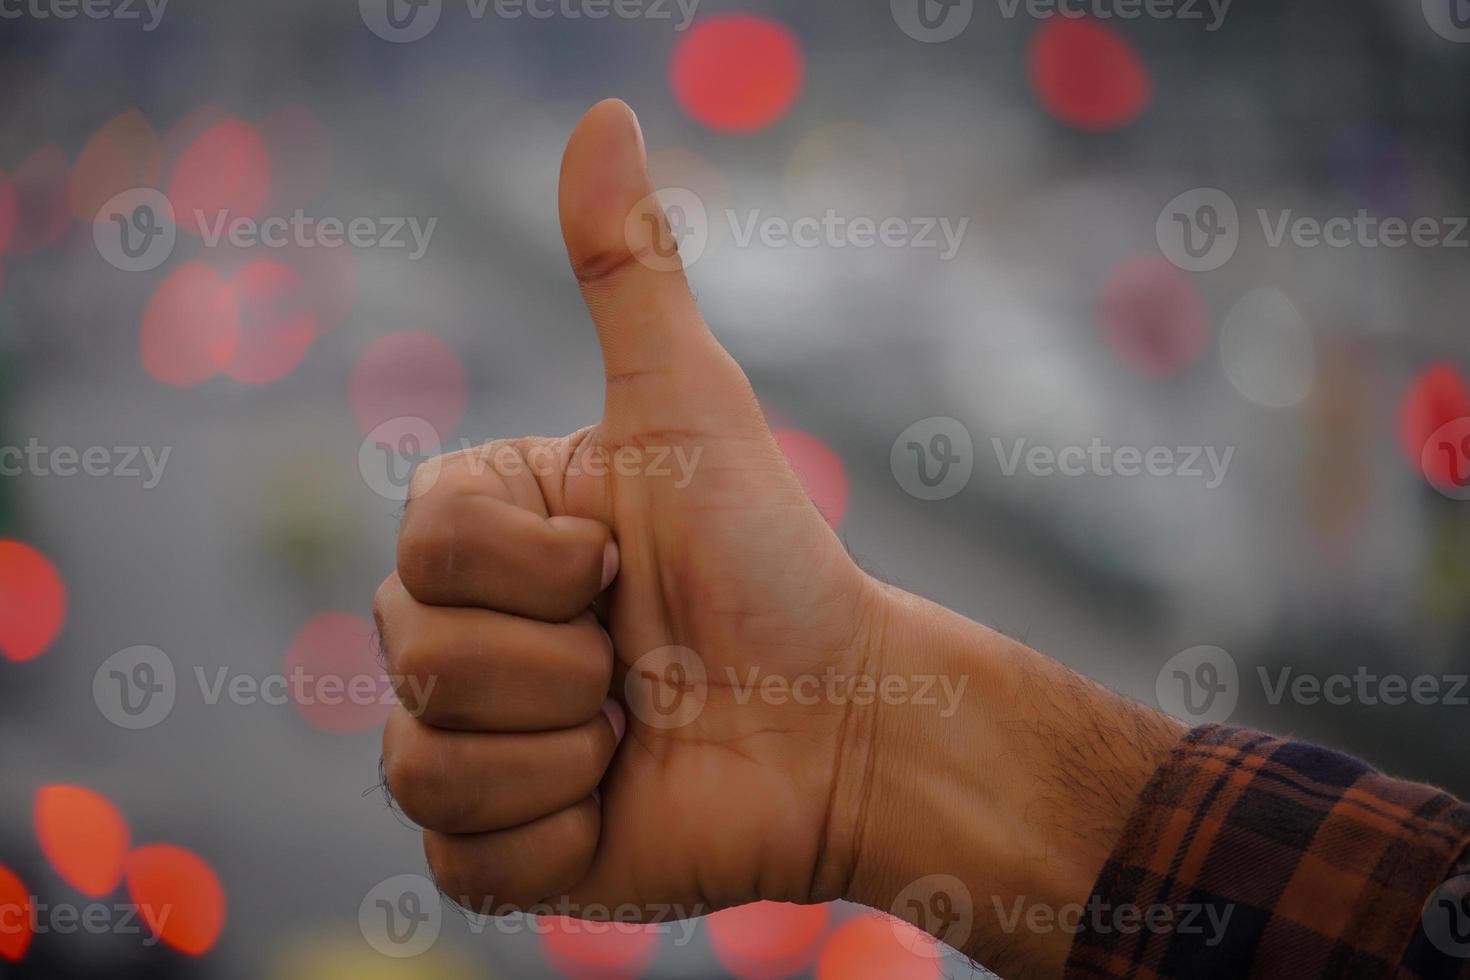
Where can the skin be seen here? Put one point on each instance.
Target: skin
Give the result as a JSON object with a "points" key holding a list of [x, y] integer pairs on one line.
{"points": [[535, 575]]}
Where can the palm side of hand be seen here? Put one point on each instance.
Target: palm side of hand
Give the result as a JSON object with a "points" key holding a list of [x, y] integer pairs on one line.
{"points": [[731, 590]]}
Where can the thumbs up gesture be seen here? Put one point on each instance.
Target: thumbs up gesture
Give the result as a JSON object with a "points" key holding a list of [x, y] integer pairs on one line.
{"points": [[582, 626]]}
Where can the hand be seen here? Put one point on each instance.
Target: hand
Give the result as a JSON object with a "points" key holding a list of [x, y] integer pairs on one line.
{"points": [[504, 549], [536, 577]]}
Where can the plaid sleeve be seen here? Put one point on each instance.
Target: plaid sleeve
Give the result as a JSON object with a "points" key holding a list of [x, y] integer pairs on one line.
{"points": [[1253, 856]]}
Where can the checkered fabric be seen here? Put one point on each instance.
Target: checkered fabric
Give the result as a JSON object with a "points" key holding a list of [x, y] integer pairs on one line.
{"points": [[1264, 857]]}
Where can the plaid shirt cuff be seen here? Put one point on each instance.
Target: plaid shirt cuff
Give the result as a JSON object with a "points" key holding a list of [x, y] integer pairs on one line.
{"points": [[1249, 855]]}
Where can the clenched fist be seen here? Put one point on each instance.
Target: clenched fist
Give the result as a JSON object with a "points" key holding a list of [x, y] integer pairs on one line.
{"points": [[595, 628], [671, 539]]}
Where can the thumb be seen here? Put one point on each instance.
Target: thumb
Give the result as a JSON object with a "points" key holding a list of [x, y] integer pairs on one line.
{"points": [[660, 360]]}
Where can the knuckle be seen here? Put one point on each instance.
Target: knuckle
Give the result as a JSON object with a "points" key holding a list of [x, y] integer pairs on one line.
{"points": [[426, 550], [408, 778], [382, 603], [414, 668], [449, 875]]}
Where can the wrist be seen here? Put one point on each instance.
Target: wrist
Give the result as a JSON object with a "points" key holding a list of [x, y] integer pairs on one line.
{"points": [[1005, 787]]}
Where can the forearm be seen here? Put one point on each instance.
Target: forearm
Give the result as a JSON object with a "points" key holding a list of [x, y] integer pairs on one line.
{"points": [[1020, 793]]}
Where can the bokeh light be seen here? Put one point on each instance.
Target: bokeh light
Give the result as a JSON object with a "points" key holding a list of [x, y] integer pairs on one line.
{"points": [[179, 896], [32, 601], [277, 325], [585, 950], [1153, 318], [1266, 349], [820, 471], [847, 167], [1087, 75], [334, 676], [183, 134], [224, 172], [8, 215], [191, 327], [871, 946], [1438, 396], [737, 73], [16, 930], [767, 940], [124, 153], [41, 191], [83, 835], [408, 375]]}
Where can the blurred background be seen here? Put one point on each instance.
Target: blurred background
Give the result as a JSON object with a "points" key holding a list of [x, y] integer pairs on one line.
{"points": [[204, 442]]}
